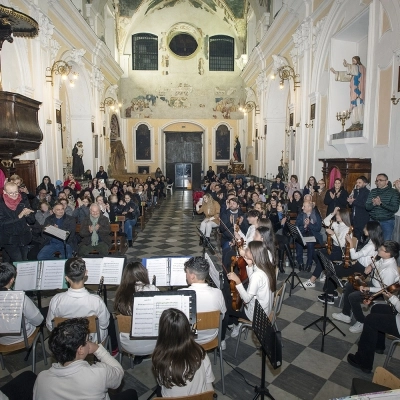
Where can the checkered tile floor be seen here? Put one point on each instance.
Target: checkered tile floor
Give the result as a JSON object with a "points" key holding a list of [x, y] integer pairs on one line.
{"points": [[306, 373]]}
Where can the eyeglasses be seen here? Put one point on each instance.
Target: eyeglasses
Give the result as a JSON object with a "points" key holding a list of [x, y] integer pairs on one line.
{"points": [[12, 193], [381, 180]]}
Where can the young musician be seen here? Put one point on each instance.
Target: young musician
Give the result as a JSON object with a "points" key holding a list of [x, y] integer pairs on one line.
{"points": [[72, 376], [340, 228], [262, 282], [135, 278], [253, 217], [77, 301], [211, 209], [383, 271], [181, 365]]}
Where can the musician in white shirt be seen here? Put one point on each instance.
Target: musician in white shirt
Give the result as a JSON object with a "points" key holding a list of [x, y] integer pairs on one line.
{"points": [[77, 301], [384, 273]]}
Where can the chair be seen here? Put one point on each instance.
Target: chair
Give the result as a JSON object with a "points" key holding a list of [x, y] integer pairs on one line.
{"points": [[385, 378], [170, 188], [122, 325], [211, 395], [27, 343], [93, 328], [117, 240], [276, 309], [395, 341], [212, 320]]}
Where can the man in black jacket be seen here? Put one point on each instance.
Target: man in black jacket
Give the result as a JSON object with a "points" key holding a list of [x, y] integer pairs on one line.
{"points": [[357, 199], [62, 221]]}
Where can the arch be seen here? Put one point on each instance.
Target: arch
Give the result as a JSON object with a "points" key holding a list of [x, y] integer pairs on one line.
{"points": [[142, 142], [222, 142]]}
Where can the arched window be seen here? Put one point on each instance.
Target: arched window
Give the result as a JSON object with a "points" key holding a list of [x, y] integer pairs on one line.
{"points": [[144, 52], [222, 53], [222, 143], [143, 143]]}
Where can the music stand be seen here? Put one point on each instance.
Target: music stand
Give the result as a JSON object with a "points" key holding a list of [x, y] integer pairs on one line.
{"points": [[294, 234], [330, 274], [206, 243], [270, 347]]}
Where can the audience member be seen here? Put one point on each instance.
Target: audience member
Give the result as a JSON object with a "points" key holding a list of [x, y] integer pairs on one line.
{"points": [[211, 210], [292, 186], [43, 212], [357, 201], [47, 186], [318, 198], [82, 211], [131, 212], [101, 174], [336, 197], [311, 186]]}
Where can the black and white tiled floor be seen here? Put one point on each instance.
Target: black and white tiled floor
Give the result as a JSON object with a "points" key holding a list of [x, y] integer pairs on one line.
{"points": [[306, 373]]}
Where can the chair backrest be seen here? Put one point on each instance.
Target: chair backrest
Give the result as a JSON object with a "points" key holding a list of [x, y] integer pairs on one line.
{"points": [[201, 396], [207, 320], [385, 378], [93, 323], [124, 323], [278, 300]]}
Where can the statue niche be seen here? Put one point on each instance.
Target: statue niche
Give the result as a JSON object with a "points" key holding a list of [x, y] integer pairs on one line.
{"points": [[117, 159]]}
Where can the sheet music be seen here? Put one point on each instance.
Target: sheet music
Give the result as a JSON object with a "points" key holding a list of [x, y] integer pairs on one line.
{"points": [[214, 274], [57, 232], [147, 312], [93, 267], [305, 239], [159, 268], [178, 274], [112, 270], [11, 306], [27, 274], [53, 275]]}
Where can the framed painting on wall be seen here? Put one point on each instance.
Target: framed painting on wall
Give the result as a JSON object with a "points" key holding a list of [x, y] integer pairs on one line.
{"points": [[312, 111], [222, 143], [291, 119], [143, 143]]}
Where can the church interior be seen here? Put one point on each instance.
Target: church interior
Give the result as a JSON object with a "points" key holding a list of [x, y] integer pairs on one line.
{"points": [[185, 85]]}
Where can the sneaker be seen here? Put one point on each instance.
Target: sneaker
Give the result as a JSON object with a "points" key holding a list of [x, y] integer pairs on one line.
{"points": [[335, 294], [322, 277], [356, 328], [231, 326], [223, 345], [341, 317], [309, 284], [235, 330], [330, 300]]}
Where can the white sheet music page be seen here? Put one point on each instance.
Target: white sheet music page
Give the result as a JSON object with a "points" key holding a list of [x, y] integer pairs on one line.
{"points": [[57, 232], [52, 274], [214, 274], [162, 303], [112, 270], [11, 306], [27, 274], [142, 317], [159, 268], [93, 267], [178, 274]]}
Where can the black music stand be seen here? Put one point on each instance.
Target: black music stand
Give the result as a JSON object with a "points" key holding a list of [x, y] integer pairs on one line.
{"points": [[330, 274], [206, 243], [266, 334], [294, 234]]}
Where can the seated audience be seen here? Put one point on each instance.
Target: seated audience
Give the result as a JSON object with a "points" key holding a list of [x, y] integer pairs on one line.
{"points": [[15, 218], [295, 204], [32, 315], [77, 301], [82, 211], [387, 271], [211, 210], [47, 186], [95, 233], [71, 179], [67, 208], [104, 206], [70, 346], [135, 278], [62, 221], [311, 186], [292, 186], [87, 176], [43, 212], [182, 366], [41, 196], [101, 190], [101, 174]]}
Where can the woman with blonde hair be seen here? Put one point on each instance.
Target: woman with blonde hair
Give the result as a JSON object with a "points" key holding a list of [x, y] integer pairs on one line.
{"points": [[211, 209]]}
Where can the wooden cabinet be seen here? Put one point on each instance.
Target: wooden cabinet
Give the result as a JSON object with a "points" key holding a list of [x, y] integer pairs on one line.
{"points": [[349, 168], [26, 169]]}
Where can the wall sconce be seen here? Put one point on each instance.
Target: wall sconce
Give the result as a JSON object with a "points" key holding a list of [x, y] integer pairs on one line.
{"points": [[109, 102], [289, 131], [249, 106], [285, 73], [260, 137], [310, 125], [62, 68], [394, 100]]}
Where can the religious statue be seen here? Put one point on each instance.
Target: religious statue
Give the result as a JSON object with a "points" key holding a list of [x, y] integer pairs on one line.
{"points": [[236, 150], [355, 74], [77, 161]]}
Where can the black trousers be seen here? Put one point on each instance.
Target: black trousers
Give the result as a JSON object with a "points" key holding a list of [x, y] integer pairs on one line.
{"points": [[341, 271], [21, 387]]}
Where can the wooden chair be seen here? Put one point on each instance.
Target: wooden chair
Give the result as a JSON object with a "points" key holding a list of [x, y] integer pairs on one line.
{"points": [[116, 241], [211, 395], [122, 325], [93, 328], [276, 309], [385, 378], [26, 343], [212, 320], [121, 218]]}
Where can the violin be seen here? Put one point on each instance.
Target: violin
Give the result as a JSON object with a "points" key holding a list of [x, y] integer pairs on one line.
{"points": [[329, 240], [236, 299], [357, 280], [100, 288], [346, 256], [394, 287]]}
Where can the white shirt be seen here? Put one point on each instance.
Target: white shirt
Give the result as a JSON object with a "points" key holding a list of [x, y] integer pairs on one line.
{"points": [[76, 303], [139, 347], [388, 272], [396, 302], [249, 237], [258, 289], [33, 318], [201, 382], [341, 230], [364, 255], [207, 299], [80, 380]]}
